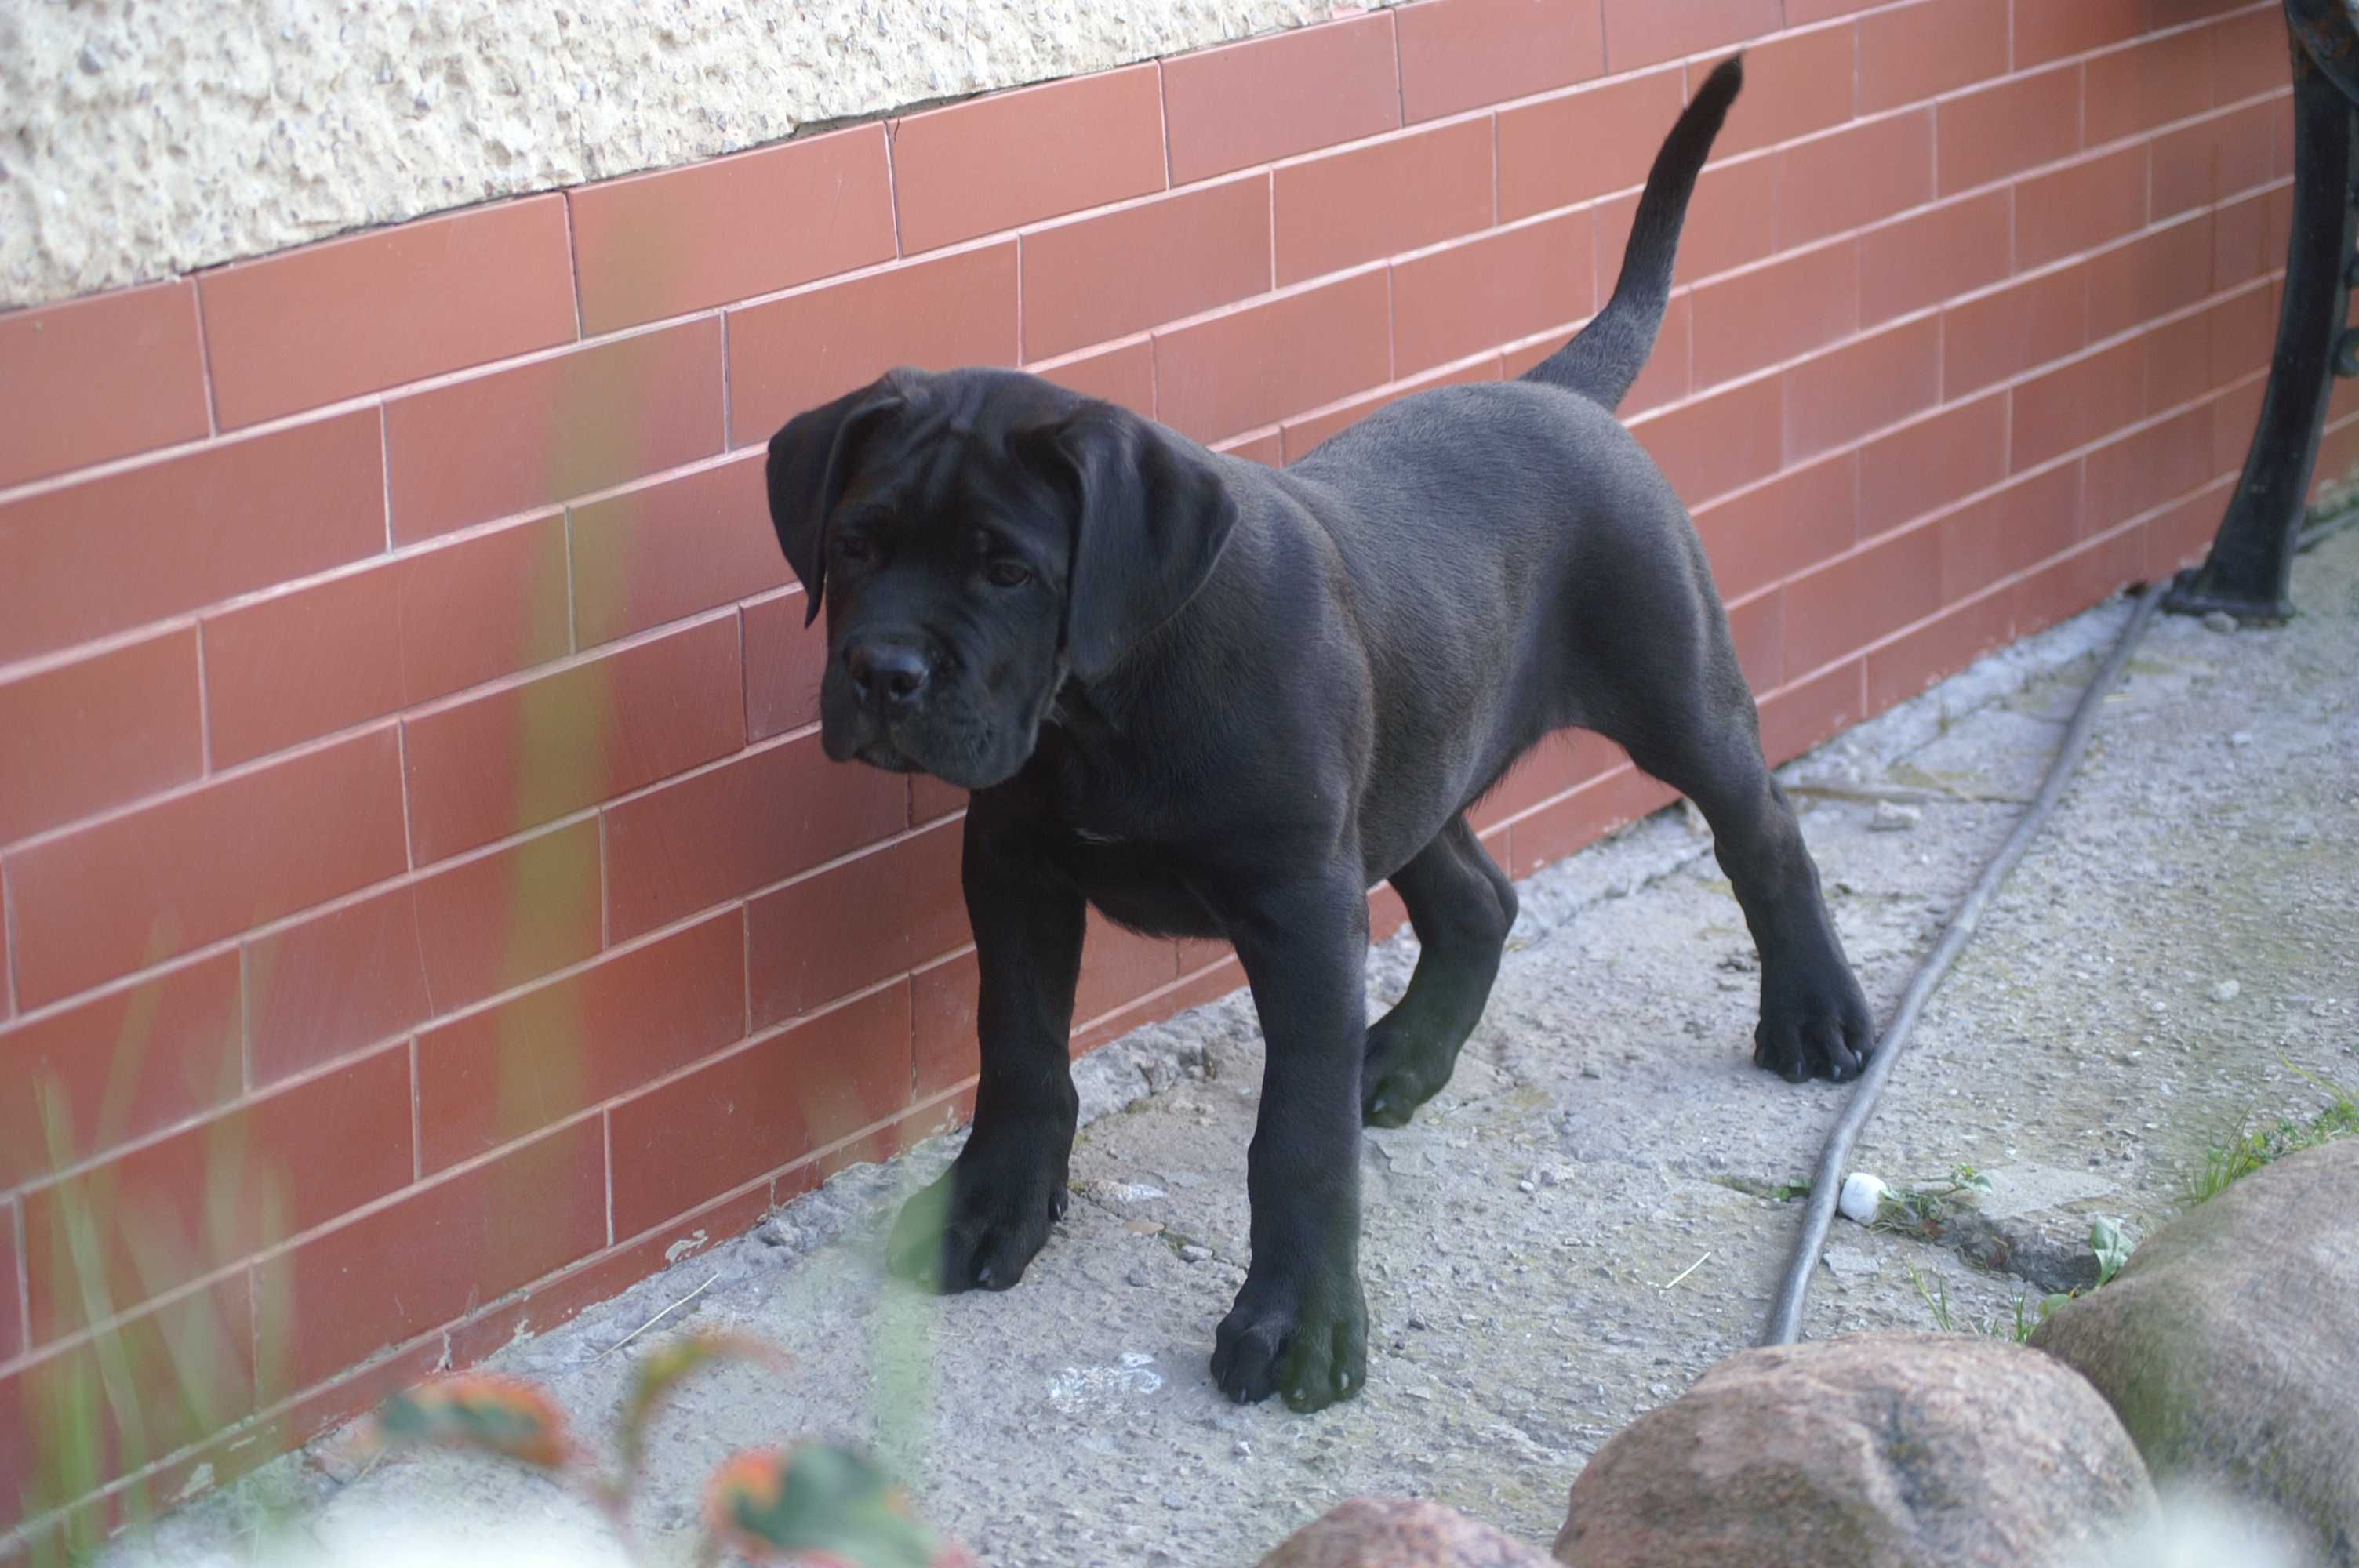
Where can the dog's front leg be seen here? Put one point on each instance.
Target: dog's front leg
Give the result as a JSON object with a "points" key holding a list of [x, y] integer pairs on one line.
{"points": [[982, 1223], [1300, 1326]]}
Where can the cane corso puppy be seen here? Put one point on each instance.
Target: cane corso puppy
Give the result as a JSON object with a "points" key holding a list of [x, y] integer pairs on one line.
{"points": [[1217, 701]]}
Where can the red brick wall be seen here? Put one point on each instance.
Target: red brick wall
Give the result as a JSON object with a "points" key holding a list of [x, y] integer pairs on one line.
{"points": [[427, 907]]}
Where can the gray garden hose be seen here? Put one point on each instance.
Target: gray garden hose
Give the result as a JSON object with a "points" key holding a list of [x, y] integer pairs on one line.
{"points": [[1785, 1325]]}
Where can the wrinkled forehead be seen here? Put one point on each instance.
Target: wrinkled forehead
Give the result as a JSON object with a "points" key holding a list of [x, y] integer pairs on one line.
{"points": [[926, 476]]}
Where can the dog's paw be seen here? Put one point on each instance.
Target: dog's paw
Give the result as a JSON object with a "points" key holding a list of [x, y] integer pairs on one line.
{"points": [[1312, 1356], [979, 1227], [1814, 1021]]}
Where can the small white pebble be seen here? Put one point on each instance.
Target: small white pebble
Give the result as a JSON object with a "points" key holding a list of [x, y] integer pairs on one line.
{"points": [[1862, 1196], [2241, 737], [1891, 816], [2226, 990], [2219, 620]]}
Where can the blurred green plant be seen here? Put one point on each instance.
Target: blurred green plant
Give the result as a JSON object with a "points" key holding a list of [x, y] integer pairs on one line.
{"points": [[815, 1505]]}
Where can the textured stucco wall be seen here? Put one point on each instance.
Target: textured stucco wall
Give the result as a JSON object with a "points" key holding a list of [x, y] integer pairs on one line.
{"points": [[139, 138]]}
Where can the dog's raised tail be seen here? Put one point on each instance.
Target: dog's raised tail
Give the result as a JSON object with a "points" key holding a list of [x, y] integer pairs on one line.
{"points": [[1606, 356]]}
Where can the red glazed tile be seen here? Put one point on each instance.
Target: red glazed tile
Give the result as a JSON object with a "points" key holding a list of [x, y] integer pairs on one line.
{"points": [[1462, 54], [1123, 375], [1922, 50], [2251, 54], [671, 550], [1118, 967], [1578, 146], [323, 1305], [1641, 32], [287, 669], [2000, 335], [1936, 255], [99, 378], [760, 1109], [333, 983], [2224, 155], [784, 660], [856, 923], [325, 322], [537, 434], [118, 1068], [2019, 527], [1270, 98], [1718, 443], [651, 245], [1794, 85], [2079, 206], [2055, 29], [1840, 609], [1811, 711], [1254, 367], [524, 754], [1787, 526], [499, 920], [1854, 177], [1138, 266], [2154, 275], [560, 1048], [1865, 385], [2148, 470], [1008, 159], [2148, 84], [1907, 665], [2005, 129], [2078, 403], [135, 890], [1338, 210], [170, 1212], [1941, 459], [2086, 576], [178, 534], [797, 353], [12, 1325], [755, 820], [78, 739], [1750, 320], [941, 1032], [1490, 290]]}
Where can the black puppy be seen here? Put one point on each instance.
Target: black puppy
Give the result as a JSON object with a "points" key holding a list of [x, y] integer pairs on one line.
{"points": [[1216, 700]]}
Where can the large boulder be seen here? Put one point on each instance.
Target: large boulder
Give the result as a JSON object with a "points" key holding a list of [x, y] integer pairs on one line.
{"points": [[1873, 1450], [1398, 1532], [2229, 1346]]}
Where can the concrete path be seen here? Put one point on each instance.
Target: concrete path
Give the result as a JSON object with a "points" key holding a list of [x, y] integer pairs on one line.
{"points": [[1587, 1219]]}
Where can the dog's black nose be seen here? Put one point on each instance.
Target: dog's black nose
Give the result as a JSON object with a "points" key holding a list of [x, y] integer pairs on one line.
{"points": [[890, 675]]}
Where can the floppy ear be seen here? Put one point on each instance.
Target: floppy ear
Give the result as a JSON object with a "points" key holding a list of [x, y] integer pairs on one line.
{"points": [[1149, 519], [811, 458]]}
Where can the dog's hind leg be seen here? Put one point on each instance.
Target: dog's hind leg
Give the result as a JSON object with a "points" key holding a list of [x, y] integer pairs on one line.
{"points": [[1461, 905], [1696, 730]]}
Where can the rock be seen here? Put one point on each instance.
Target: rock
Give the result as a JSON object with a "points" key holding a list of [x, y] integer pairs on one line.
{"points": [[1873, 1450], [2226, 990], [1891, 816], [1396, 1532], [1851, 1263], [1862, 1196], [2219, 621], [2226, 1345]]}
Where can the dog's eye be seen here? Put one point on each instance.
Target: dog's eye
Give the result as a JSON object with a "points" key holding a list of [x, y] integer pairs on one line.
{"points": [[1009, 574]]}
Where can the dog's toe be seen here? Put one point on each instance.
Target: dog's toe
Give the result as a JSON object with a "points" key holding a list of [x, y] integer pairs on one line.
{"points": [[1313, 1357]]}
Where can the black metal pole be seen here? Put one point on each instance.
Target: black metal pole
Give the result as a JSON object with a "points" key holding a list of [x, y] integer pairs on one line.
{"points": [[2250, 567]]}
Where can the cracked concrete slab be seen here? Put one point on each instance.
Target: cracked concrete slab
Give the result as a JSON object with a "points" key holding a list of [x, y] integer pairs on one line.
{"points": [[1591, 1214]]}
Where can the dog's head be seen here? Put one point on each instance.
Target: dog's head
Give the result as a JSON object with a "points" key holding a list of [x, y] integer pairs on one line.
{"points": [[976, 538]]}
